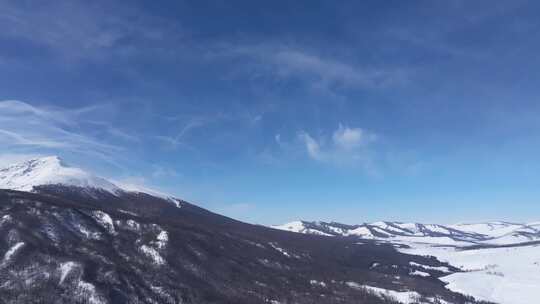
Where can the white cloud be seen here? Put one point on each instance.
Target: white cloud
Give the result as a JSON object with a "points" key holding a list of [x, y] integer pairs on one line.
{"points": [[350, 138], [348, 146]]}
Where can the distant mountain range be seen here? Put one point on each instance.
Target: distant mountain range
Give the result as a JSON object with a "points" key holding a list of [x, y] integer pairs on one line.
{"points": [[489, 233], [68, 236]]}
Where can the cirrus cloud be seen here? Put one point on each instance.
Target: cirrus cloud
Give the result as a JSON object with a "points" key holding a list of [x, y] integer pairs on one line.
{"points": [[318, 72], [27, 128]]}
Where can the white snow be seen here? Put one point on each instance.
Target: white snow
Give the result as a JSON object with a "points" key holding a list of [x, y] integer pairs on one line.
{"points": [[133, 224], [153, 254], [405, 297], [427, 240], [491, 229], [438, 268], [88, 291], [11, 251], [509, 275], [65, 269], [49, 171], [87, 232], [299, 227], [511, 238], [317, 283], [296, 226], [500, 275], [162, 239], [176, 202], [104, 219], [420, 273], [381, 231], [386, 226], [6, 218], [141, 189], [414, 227], [361, 231], [494, 233], [281, 250]]}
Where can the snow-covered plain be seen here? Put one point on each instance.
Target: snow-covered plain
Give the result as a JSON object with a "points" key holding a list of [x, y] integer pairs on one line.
{"points": [[501, 275]]}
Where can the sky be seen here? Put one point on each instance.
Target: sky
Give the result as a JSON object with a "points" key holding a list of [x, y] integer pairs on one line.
{"points": [[268, 112]]}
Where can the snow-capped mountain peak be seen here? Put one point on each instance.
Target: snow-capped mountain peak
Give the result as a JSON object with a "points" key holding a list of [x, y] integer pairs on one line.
{"points": [[49, 170]]}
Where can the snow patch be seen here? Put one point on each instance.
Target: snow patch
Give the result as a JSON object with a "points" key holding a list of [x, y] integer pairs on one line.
{"points": [[153, 254], [5, 219], [162, 239], [86, 232], [65, 269], [439, 268], [88, 291], [105, 220], [296, 226], [11, 251], [317, 283], [282, 251], [420, 273], [405, 297]]}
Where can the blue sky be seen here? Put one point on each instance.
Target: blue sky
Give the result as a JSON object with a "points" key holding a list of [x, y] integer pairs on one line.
{"points": [[271, 112]]}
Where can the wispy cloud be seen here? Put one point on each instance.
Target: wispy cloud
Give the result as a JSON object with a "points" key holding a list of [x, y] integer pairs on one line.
{"points": [[190, 124], [164, 172], [317, 71], [29, 128], [313, 147], [13, 158], [80, 29]]}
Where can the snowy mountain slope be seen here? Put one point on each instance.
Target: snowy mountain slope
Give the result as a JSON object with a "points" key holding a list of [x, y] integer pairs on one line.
{"points": [[43, 172], [67, 236], [49, 170], [491, 229], [491, 233]]}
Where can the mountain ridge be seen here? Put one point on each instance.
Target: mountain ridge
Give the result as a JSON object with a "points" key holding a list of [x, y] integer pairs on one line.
{"points": [[492, 233], [50, 170]]}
